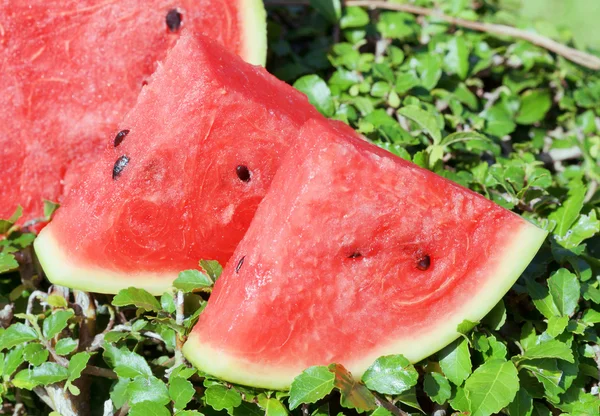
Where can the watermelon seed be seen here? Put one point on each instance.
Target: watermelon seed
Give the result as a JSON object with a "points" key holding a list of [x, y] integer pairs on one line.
{"points": [[173, 20], [355, 255], [120, 165], [243, 173], [120, 137], [424, 263], [239, 265]]}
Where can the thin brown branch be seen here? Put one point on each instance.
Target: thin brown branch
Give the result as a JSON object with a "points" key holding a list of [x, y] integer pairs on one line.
{"points": [[579, 57], [91, 370]]}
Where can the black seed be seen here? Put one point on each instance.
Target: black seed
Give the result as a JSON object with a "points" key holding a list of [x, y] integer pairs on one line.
{"points": [[120, 165], [243, 173], [424, 263], [120, 137], [355, 255], [239, 265], [173, 20]]}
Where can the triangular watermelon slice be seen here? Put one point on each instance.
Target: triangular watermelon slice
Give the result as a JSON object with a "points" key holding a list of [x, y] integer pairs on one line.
{"points": [[353, 254], [181, 180], [71, 69]]}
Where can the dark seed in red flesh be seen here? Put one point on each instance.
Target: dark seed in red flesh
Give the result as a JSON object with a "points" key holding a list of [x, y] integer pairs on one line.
{"points": [[173, 20], [239, 265], [119, 166], [355, 255], [243, 173], [120, 137], [424, 263]]}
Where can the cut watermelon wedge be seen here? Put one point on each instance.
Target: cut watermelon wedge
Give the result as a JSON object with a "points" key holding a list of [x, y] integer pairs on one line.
{"points": [[183, 177], [354, 254], [72, 69]]}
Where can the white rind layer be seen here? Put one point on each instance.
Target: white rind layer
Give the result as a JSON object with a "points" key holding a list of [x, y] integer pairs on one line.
{"points": [[512, 261], [63, 270], [253, 18]]}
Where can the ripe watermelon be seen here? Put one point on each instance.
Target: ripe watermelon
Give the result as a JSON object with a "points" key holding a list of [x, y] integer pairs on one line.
{"points": [[72, 69], [354, 254], [181, 179]]}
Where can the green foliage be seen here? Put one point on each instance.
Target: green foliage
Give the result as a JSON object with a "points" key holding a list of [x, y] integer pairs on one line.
{"points": [[502, 117]]}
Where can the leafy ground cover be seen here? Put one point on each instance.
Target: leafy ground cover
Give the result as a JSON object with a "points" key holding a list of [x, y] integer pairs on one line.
{"points": [[502, 117]]}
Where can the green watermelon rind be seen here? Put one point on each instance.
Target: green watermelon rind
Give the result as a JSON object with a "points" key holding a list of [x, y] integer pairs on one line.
{"points": [[61, 270], [254, 31], [511, 263]]}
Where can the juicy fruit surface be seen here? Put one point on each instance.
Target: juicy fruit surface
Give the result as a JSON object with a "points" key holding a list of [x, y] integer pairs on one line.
{"points": [[171, 191], [70, 72], [354, 254]]}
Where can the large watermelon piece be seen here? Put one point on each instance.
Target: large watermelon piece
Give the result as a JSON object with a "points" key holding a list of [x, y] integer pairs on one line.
{"points": [[71, 69], [181, 180], [354, 254]]}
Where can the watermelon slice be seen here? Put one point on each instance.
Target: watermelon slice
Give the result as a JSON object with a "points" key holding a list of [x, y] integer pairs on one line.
{"points": [[181, 179], [71, 69], [354, 254]]}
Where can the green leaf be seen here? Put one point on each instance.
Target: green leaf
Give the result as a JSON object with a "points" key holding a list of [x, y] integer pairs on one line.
{"points": [[534, 106], [330, 9], [354, 17], [466, 326], [424, 119], [56, 322], [7, 262], [181, 391], [391, 374], [549, 349], [397, 25], [49, 209], [17, 334], [148, 409], [65, 346], [312, 385], [318, 93], [522, 405], [118, 393], [167, 302], [192, 280], [586, 227], [147, 389], [566, 215], [273, 407], [409, 398], [437, 387], [455, 360], [548, 373], [557, 325], [491, 387], [496, 318], [137, 297], [45, 374], [126, 363], [221, 398], [13, 359], [459, 137], [213, 268], [565, 290], [354, 395], [57, 301], [77, 364], [541, 298], [457, 59], [35, 353]]}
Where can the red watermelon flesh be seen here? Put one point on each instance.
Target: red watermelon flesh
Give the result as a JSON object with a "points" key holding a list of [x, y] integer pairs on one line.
{"points": [[204, 141], [354, 254], [72, 69]]}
